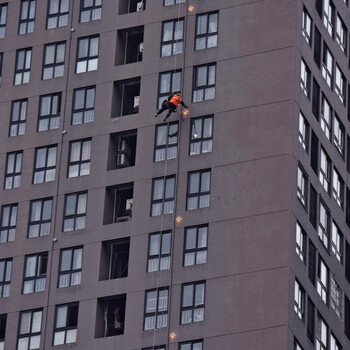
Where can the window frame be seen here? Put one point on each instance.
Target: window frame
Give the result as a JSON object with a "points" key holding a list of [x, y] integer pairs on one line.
{"points": [[200, 139], [340, 84], [338, 188], [174, 78], [195, 306], [321, 333], [83, 165], [341, 33], [339, 135], [74, 274], [197, 250], [60, 17], [10, 226], [22, 71], [305, 79], [38, 279], [328, 16], [208, 87], [27, 21], [302, 186], [3, 19], [48, 170], [176, 44], [168, 149], [172, 2], [192, 343], [304, 132], [57, 66], [200, 195], [323, 228], [161, 259], [89, 58], [299, 300], [322, 286], [324, 175], [167, 203], [91, 10], [52, 119], [32, 333], [5, 283], [207, 34], [43, 223], [18, 122], [85, 113], [337, 298], [300, 242], [76, 217], [13, 175], [161, 311], [306, 26], [326, 117], [337, 242]]}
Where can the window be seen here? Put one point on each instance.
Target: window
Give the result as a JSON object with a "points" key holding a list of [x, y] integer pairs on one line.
{"points": [[3, 15], [201, 135], [324, 225], [58, 13], [192, 304], [300, 240], [5, 277], [326, 117], [321, 334], [54, 60], [26, 21], [70, 267], [79, 158], [83, 105], [29, 329], [297, 346], [325, 170], [3, 319], [172, 2], [159, 245], [18, 117], [335, 345], [90, 10], [207, 31], [299, 300], [192, 345], [341, 34], [302, 186], [8, 223], [156, 309], [66, 324], [304, 131], [114, 259], [75, 211], [337, 298], [172, 37], [337, 242], [196, 245], [166, 141], [40, 217], [129, 6], [338, 188], [130, 45], [327, 65], [126, 97], [87, 55], [13, 170], [328, 16], [339, 135], [204, 82], [310, 320], [169, 83], [49, 112], [306, 29], [163, 194], [23, 62], [339, 87], [305, 79], [35, 273], [198, 189], [322, 280], [45, 164]]}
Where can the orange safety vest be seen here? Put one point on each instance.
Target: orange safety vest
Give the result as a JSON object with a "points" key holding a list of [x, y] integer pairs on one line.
{"points": [[175, 100]]}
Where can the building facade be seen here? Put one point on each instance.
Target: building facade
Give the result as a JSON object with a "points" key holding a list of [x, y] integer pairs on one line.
{"points": [[226, 226]]}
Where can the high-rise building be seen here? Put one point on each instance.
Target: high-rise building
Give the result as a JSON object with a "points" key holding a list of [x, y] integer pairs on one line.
{"points": [[225, 226]]}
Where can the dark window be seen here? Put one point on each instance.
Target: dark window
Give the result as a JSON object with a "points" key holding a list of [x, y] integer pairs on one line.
{"points": [[300, 240], [110, 318], [347, 209], [45, 164], [66, 324], [304, 132], [3, 15], [325, 170], [306, 28], [5, 277], [324, 224], [129, 6], [169, 82], [172, 2], [49, 112], [118, 203], [201, 140], [340, 84], [70, 267], [207, 30], [122, 150], [327, 65], [192, 305], [172, 37], [191, 345], [313, 206], [335, 345], [347, 263], [8, 223], [302, 186], [27, 17], [156, 309], [339, 135], [29, 329], [87, 54], [314, 153], [312, 263], [13, 170], [163, 193], [321, 333], [310, 320], [299, 300], [316, 93], [204, 82], [83, 105], [90, 10], [305, 79], [297, 346], [317, 47], [198, 189], [40, 217], [57, 14], [35, 273], [53, 66], [338, 188], [75, 211], [3, 319], [23, 63], [129, 45], [347, 317], [114, 259], [348, 152], [337, 298], [341, 34], [18, 118], [166, 141], [326, 117], [79, 158], [196, 245], [337, 242], [159, 251], [322, 280]]}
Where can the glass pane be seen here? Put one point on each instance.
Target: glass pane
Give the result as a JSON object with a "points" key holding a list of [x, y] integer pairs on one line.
{"points": [[208, 127], [90, 98], [79, 99], [75, 151], [51, 158], [165, 83], [60, 53], [34, 342], [151, 302], [77, 259], [213, 23], [179, 30], [61, 316], [86, 153], [70, 204], [176, 85], [40, 158], [10, 163], [30, 266], [158, 189], [202, 24], [50, 54], [59, 338], [66, 258], [166, 239], [205, 184], [201, 76], [202, 237], [170, 186], [45, 106], [191, 238], [211, 76], [82, 204], [200, 43], [199, 294], [47, 208], [25, 323], [94, 47], [154, 245], [83, 48], [36, 211], [194, 183], [36, 323], [71, 336], [167, 31], [161, 135], [187, 295]]}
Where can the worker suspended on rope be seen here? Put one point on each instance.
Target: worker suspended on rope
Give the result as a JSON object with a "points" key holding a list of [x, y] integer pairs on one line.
{"points": [[171, 104]]}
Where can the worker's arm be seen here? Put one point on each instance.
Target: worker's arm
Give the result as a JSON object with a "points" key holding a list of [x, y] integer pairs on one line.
{"points": [[183, 104]]}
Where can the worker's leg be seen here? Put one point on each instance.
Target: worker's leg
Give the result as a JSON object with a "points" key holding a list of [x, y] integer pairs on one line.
{"points": [[160, 111], [168, 114]]}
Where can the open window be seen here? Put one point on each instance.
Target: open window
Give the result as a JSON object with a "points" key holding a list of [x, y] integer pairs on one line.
{"points": [[129, 45], [110, 316], [122, 149], [118, 203], [114, 259], [126, 97], [129, 6]]}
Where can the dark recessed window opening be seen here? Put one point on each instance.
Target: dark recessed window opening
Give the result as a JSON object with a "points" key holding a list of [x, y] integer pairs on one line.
{"points": [[129, 45]]}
